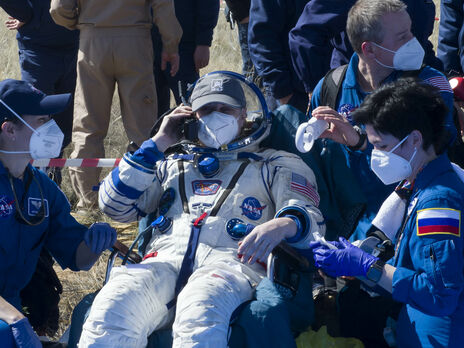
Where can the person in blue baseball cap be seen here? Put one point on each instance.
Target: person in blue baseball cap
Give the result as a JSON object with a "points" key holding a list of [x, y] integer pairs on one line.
{"points": [[34, 212]]}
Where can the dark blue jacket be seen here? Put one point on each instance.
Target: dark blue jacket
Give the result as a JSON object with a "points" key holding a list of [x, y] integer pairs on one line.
{"points": [[20, 244], [270, 23], [40, 33], [319, 41], [451, 35], [429, 261], [198, 18]]}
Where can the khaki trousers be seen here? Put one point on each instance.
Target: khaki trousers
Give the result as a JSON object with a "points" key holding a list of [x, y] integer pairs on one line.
{"points": [[108, 56]]}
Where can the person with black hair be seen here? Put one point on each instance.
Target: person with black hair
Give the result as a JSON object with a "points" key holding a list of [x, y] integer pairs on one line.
{"points": [[385, 50], [404, 122]]}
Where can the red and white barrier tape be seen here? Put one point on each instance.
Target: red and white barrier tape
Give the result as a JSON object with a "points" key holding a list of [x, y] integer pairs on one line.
{"points": [[76, 162]]}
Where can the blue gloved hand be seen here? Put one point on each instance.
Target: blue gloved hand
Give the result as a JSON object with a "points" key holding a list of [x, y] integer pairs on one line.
{"points": [[347, 260], [99, 237], [24, 335]]}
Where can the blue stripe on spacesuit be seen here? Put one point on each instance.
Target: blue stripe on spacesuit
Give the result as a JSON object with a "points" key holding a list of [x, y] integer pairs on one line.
{"points": [[139, 166], [109, 196], [117, 217], [126, 190]]}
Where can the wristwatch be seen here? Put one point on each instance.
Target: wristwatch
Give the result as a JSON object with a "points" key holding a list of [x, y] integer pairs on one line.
{"points": [[362, 138], [375, 271]]}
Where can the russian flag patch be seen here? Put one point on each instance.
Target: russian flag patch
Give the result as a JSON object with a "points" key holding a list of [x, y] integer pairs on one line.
{"points": [[439, 221]]}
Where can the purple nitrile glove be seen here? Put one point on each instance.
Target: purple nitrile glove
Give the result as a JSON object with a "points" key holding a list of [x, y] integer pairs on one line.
{"points": [[319, 244], [347, 260], [99, 237], [24, 335]]}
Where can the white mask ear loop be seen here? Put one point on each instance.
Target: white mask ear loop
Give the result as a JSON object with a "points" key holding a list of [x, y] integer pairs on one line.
{"points": [[398, 145], [19, 117], [386, 49], [27, 125], [14, 152], [402, 141]]}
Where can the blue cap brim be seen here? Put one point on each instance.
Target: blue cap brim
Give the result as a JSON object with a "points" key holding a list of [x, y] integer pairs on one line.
{"points": [[53, 104]]}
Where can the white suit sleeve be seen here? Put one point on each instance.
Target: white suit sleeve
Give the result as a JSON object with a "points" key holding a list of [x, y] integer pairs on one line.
{"points": [[293, 188], [130, 191]]}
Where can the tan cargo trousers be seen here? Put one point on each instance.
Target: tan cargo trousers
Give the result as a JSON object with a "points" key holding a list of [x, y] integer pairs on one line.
{"points": [[108, 56]]}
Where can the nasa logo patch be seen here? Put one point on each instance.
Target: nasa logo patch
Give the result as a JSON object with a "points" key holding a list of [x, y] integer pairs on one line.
{"points": [[346, 110], [6, 206], [206, 187], [252, 209]]}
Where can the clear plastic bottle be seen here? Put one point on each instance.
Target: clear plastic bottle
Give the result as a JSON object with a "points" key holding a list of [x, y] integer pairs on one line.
{"points": [[308, 132]]}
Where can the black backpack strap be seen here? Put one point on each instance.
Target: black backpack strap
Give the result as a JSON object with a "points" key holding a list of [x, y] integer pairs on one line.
{"points": [[332, 85]]}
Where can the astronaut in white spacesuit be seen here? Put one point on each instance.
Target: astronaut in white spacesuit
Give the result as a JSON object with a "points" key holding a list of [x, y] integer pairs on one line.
{"points": [[223, 204]]}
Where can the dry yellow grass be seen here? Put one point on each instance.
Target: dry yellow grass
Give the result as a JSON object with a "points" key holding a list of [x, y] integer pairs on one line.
{"points": [[225, 55]]}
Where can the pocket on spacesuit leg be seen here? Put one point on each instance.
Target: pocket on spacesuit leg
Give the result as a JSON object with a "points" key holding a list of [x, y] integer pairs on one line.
{"points": [[205, 305]]}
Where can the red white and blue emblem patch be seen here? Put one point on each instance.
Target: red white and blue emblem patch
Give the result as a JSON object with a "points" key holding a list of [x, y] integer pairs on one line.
{"points": [[206, 187], [346, 110], [439, 221], [439, 82], [301, 185], [6, 206], [252, 208]]}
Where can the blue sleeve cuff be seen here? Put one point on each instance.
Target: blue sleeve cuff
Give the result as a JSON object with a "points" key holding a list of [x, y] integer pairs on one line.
{"points": [[300, 216], [147, 155], [299, 229], [402, 279]]}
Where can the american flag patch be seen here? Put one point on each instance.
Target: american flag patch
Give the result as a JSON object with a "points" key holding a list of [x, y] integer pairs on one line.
{"points": [[439, 221], [440, 82], [301, 185]]}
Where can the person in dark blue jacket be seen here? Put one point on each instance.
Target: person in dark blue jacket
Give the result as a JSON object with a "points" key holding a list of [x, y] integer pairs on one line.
{"points": [[451, 37], [319, 41], [239, 12], [47, 52], [379, 59], [268, 28], [198, 18], [404, 122], [34, 212]]}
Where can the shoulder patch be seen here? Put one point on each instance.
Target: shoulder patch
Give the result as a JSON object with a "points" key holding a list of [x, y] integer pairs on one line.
{"points": [[439, 82], [438, 221], [301, 185]]}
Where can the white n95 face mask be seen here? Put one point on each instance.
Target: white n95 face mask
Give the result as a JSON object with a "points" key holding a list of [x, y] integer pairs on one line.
{"points": [[389, 167], [408, 57], [217, 129], [46, 141]]}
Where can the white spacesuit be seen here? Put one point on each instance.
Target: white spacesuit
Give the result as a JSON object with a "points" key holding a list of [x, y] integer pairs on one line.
{"points": [[249, 185]]}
